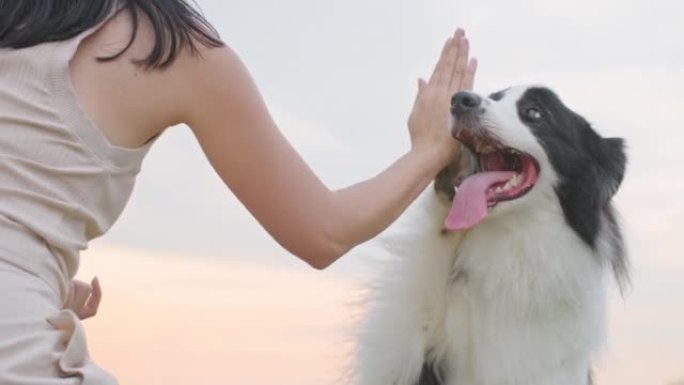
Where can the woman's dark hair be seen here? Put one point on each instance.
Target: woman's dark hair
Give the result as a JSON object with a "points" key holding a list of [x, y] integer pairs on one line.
{"points": [[177, 25]]}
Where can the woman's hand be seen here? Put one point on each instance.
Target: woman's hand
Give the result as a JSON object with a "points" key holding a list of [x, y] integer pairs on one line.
{"points": [[83, 298], [429, 121]]}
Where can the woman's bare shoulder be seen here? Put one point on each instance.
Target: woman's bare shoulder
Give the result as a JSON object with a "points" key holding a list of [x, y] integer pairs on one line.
{"points": [[129, 102]]}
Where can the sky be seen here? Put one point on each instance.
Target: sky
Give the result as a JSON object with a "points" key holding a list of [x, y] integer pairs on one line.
{"points": [[339, 79]]}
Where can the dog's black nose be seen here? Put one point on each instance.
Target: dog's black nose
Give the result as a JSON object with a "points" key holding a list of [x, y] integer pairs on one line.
{"points": [[464, 101]]}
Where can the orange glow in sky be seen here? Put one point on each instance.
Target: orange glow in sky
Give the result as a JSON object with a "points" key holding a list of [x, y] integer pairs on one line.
{"points": [[177, 320]]}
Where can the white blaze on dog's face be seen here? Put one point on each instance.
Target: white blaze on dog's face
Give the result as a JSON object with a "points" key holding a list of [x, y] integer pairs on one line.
{"points": [[526, 142], [500, 116]]}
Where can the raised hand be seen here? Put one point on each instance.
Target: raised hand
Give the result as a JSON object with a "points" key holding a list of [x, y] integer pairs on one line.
{"points": [[430, 117]]}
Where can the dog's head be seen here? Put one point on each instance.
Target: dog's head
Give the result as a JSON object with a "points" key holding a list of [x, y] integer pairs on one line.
{"points": [[524, 144]]}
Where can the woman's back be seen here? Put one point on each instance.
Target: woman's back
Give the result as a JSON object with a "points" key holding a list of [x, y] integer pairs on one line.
{"points": [[74, 128], [60, 177]]}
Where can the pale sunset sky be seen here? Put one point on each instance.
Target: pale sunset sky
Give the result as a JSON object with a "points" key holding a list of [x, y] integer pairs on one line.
{"points": [[196, 292]]}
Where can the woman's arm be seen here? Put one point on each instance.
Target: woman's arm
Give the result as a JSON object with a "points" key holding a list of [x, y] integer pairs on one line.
{"points": [[234, 128]]}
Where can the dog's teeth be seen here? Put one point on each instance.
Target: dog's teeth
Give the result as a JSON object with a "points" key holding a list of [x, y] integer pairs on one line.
{"points": [[511, 183], [484, 147]]}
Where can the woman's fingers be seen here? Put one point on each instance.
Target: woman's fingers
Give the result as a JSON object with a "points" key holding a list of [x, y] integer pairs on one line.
{"points": [[454, 70], [447, 58], [83, 298], [440, 68], [430, 119], [452, 58], [78, 295], [469, 75], [459, 68], [89, 309]]}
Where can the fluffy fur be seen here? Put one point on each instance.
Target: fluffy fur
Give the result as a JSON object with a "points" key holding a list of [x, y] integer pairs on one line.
{"points": [[518, 299]]}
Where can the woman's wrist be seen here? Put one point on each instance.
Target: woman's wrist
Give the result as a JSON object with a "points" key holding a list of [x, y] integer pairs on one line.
{"points": [[434, 158]]}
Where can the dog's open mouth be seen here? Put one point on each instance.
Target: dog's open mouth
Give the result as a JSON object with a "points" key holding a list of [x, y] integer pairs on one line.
{"points": [[501, 174], [521, 166]]}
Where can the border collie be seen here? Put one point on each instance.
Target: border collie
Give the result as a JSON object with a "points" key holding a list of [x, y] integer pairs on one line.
{"points": [[498, 278]]}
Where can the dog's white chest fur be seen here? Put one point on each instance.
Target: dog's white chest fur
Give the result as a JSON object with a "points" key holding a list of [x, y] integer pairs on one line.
{"points": [[515, 301]]}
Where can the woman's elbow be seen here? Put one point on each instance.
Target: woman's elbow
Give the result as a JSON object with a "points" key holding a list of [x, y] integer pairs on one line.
{"points": [[323, 255], [319, 245], [317, 262]]}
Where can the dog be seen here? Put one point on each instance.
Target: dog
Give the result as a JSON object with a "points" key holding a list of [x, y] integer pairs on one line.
{"points": [[499, 273]]}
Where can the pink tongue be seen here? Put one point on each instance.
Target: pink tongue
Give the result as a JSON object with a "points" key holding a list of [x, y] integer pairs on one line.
{"points": [[470, 203]]}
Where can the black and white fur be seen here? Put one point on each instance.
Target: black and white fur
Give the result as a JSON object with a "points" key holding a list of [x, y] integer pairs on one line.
{"points": [[519, 299]]}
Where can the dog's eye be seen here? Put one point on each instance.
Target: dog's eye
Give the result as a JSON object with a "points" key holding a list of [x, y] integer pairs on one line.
{"points": [[533, 114]]}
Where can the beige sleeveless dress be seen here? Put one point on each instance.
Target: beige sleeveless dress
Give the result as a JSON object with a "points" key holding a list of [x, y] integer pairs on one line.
{"points": [[62, 183]]}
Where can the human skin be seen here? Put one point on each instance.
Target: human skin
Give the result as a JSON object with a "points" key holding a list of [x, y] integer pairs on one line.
{"points": [[84, 298]]}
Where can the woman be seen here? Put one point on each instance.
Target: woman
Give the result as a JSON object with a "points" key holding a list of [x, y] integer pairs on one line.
{"points": [[86, 88]]}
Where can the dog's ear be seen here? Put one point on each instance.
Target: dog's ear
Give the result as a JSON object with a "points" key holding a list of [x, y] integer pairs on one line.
{"points": [[612, 161], [590, 182]]}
